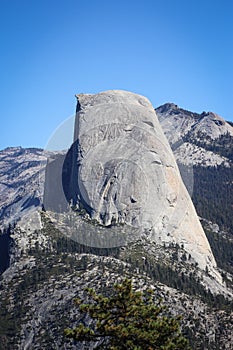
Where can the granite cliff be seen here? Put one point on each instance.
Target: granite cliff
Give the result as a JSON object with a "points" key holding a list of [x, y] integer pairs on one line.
{"points": [[126, 173]]}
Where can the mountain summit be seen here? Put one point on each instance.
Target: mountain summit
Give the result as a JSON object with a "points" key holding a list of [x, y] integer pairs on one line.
{"points": [[177, 122], [126, 173], [196, 138]]}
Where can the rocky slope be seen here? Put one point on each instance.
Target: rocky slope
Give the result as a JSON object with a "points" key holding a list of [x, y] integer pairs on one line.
{"points": [[21, 181], [182, 122], [192, 135], [49, 270]]}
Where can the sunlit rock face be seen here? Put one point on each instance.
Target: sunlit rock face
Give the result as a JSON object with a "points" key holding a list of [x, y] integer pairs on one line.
{"points": [[121, 147], [125, 172]]}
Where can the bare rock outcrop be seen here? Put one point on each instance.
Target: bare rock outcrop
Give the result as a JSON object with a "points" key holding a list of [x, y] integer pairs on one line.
{"points": [[125, 173]]}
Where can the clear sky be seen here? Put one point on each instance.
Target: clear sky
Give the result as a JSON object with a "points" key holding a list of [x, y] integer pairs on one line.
{"points": [[168, 50]]}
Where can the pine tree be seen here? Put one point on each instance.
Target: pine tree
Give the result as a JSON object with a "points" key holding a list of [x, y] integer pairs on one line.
{"points": [[128, 320]]}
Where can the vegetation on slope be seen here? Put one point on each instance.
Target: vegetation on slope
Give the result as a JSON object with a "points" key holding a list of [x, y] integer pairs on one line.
{"points": [[126, 320]]}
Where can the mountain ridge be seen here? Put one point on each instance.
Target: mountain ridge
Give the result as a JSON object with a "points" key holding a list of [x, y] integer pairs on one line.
{"points": [[183, 121]]}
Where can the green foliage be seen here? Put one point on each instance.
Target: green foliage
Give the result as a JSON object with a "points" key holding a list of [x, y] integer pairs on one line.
{"points": [[222, 248], [223, 145], [172, 275], [6, 243], [213, 194], [128, 320], [213, 186]]}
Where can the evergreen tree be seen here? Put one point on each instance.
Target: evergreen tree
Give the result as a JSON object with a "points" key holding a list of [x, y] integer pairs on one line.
{"points": [[128, 320]]}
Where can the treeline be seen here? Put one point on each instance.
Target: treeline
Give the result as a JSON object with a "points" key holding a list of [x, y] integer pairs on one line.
{"points": [[189, 284], [222, 249], [222, 145], [5, 247]]}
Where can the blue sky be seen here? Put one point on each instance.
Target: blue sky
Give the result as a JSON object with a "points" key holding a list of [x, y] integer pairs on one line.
{"points": [[168, 50]]}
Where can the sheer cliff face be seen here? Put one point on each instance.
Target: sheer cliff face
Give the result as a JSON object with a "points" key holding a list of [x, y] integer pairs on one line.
{"points": [[121, 148], [126, 172]]}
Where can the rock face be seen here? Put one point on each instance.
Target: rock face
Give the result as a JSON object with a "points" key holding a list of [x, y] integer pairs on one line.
{"points": [[196, 139], [127, 174], [178, 122]]}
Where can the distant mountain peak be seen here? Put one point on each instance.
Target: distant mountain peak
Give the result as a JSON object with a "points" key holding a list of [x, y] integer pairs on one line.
{"points": [[178, 122], [167, 107]]}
